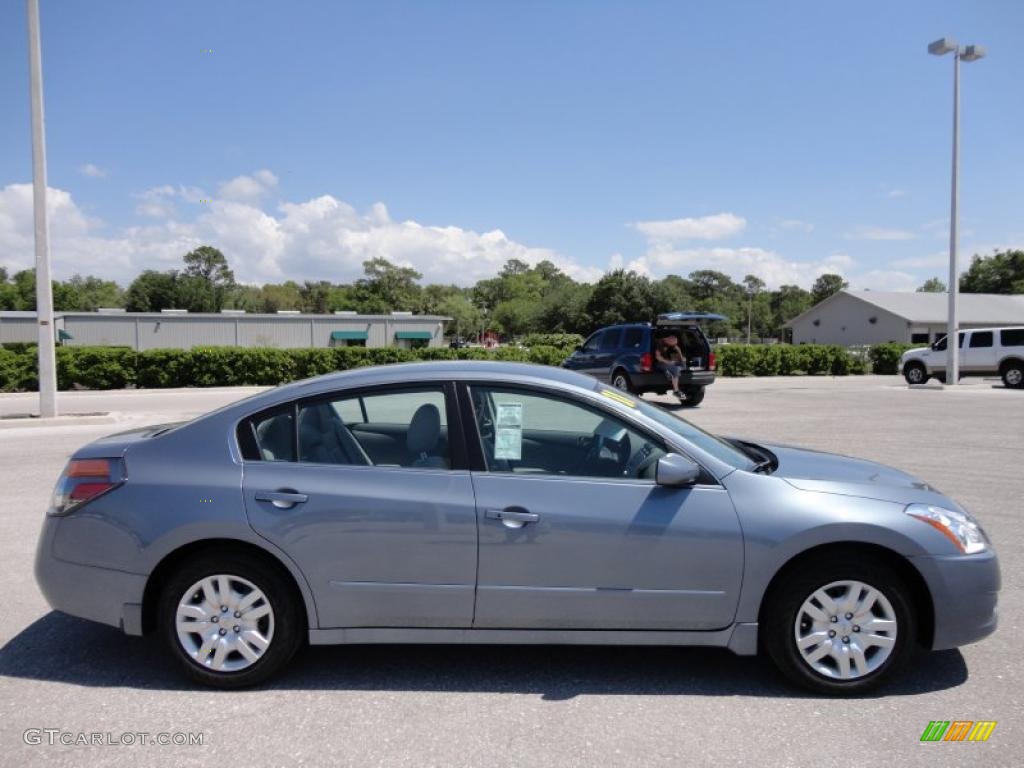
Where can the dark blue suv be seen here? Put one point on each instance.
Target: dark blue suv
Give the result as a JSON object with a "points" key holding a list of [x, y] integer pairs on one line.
{"points": [[623, 355]]}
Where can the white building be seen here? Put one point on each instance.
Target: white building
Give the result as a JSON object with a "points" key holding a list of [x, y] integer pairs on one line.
{"points": [[851, 318]]}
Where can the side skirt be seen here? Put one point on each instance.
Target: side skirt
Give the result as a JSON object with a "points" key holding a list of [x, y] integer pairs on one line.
{"points": [[741, 639]]}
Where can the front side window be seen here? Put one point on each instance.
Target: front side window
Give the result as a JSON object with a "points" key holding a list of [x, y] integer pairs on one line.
{"points": [[981, 339], [940, 345], [532, 433], [593, 343]]}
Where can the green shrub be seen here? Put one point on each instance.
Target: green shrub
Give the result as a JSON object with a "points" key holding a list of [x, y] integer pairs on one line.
{"points": [[885, 358], [164, 368], [19, 347], [735, 360], [561, 340], [766, 360], [95, 367]]}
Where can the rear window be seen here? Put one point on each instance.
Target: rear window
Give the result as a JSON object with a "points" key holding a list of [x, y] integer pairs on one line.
{"points": [[1012, 337], [611, 339]]}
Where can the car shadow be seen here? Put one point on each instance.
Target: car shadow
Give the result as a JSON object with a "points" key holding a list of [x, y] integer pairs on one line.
{"points": [[62, 649]]}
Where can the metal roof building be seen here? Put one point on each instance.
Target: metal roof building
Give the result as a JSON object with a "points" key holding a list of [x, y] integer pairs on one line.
{"points": [[871, 317], [182, 330]]}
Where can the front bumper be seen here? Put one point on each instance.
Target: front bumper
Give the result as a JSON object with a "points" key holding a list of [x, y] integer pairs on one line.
{"points": [[964, 591], [98, 594]]}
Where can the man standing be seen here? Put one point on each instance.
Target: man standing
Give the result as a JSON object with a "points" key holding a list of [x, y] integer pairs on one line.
{"points": [[670, 359]]}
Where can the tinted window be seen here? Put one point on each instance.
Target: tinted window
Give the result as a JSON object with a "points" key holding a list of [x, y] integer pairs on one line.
{"points": [[593, 343], [611, 338], [533, 433], [941, 343], [981, 339], [275, 435], [398, 429], [634, 338], [1013, 337]]}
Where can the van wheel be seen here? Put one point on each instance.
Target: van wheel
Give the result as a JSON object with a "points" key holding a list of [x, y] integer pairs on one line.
{"points": [[230, 620], [693, 396], [1013, 374], [620, 380], [915, 373]]}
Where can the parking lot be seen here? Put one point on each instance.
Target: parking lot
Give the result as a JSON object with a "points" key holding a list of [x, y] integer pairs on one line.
{"points": [[511, 706]]}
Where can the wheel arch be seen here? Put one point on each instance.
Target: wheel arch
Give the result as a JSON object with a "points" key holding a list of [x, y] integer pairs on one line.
{"points": [[167, 565], [1006, 361], [920, 593]]}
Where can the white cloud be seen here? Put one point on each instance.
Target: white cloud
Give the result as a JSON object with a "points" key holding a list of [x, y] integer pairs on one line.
{"points": [[704, 228], [894, 193], [93, 171], [248, 189], [322, 238], [880, 233]]}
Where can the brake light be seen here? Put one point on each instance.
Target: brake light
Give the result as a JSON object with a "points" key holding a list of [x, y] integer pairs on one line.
{"points": [[711, 361], [646, 362], [84, 480]]}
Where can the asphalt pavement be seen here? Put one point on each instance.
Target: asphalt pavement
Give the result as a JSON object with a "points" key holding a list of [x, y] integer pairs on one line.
{"points": [[528, 706]]}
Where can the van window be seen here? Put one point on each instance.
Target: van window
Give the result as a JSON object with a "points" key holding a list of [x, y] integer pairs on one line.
{"points": [[1012, 337], [981, 339], [633, 338], [611, 339]]}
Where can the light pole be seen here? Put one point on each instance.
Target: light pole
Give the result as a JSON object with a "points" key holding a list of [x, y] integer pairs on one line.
{"points": [[960, 53], [44, 290]]}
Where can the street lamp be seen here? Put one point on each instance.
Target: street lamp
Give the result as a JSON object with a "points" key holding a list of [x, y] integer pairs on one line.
{"points": [[960, 53]]}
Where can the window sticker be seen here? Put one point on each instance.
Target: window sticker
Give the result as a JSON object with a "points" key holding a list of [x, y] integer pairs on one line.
{"points": [[508, 433], [618, 398]]}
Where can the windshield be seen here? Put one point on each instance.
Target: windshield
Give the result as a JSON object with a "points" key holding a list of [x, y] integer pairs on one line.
{"points": [[706, 441]]}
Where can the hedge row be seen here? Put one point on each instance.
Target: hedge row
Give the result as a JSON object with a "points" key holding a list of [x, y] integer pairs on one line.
{"points": [[885, 358], [787, 360], [119, 367]]}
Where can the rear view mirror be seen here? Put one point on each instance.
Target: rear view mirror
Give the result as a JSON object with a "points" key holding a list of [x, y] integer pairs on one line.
{"points": [[675, 471]]}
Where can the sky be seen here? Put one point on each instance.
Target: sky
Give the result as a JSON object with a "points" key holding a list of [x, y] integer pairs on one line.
{"points": [[780, 139]]}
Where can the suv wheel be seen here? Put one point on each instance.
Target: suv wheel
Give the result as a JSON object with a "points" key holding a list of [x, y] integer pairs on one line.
{"points": [[693, 396], [915, 373], [1013, 374], [840, 625], [620, 380], [230, 620]]}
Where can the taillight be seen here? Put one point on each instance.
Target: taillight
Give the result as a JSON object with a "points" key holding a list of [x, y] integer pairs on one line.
{"points": [[711, 361], [83, 480], [646, 362]]}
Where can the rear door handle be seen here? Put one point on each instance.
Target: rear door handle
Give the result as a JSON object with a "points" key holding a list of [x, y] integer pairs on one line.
{"points": [[282, 499], [512, 518]]}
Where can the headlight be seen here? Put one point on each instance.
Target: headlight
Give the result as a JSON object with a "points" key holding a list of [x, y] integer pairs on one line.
{"points": [[959, 527]]}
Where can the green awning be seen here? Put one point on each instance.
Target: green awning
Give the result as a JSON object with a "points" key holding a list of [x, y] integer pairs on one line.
{"points": [[63, 335], [347, 335], [414, 335]]}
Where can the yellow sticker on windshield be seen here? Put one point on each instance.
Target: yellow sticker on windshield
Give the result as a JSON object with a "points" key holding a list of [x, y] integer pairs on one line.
{"points": [[618, 397]]}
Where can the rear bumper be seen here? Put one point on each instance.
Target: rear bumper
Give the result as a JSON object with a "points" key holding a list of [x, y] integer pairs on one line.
{"points": [[965, 590], [656, 381], [98, 594]]}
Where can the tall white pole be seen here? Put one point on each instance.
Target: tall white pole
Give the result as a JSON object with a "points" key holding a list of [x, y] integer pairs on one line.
{"points": [[44, 290], [952, 335]]}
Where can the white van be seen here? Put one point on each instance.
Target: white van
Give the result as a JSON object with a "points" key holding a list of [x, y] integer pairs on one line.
{"points": [[983, 352]]}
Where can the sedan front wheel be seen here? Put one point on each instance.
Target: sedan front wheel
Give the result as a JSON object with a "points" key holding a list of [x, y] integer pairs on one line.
{"points": [[841, 626]]}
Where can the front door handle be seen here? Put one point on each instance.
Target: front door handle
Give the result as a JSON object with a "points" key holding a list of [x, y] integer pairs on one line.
{"points": [[282, 499], [512, 518]]}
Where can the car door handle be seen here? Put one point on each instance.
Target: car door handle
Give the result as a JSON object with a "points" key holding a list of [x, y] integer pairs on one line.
{"points": [[282, 499], [512, 518]]}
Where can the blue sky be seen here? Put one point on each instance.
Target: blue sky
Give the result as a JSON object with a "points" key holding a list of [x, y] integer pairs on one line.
{"points": [[784, 139]]}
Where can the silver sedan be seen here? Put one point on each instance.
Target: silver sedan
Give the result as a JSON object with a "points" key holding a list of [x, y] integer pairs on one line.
{"points": [[501, 503]]}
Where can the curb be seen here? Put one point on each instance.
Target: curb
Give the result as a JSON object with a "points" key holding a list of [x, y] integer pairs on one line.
{"points": [[59, 421]]}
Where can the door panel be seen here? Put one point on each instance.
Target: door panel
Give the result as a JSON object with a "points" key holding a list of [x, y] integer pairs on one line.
{"points": [[606, 554]]}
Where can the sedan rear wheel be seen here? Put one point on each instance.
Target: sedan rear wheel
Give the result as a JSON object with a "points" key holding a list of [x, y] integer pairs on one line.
{"points": [[231, 621], [840, 626]]}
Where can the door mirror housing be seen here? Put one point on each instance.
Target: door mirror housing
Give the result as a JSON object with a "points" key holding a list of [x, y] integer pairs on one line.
{"points": [[676, 471]]}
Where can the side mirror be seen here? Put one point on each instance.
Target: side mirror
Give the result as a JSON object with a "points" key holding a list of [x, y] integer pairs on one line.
{"points": [[675, 471]]}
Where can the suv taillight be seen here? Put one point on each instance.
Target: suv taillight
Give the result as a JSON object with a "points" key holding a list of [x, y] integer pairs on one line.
{"points": [[646, 362], [711, 361], [84, 480]]}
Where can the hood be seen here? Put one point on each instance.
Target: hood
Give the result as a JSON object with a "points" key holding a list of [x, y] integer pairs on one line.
{"points": [[914, 351], [831, 473]]}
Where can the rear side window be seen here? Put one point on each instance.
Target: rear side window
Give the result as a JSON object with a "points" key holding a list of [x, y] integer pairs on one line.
{"points": [[981, 339], [269, 436], [1013, 337], [611, 339], [633, 338]]}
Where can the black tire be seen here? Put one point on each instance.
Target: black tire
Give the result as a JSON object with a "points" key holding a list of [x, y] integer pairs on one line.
{"points": [[285, 603], [620, 380], [1013, 374], [915, 373], [693, 396], [781, 607]]}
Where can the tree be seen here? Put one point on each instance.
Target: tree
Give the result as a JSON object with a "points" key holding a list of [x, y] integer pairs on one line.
{"points": [[287, 295], [826, 285], [315, 297], [467, 320], [786, 303], [207, 281], [152, 291], [932, 285], [753, 285], [622, 297], [1002, 272], [516, 316], [387, 287]]}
